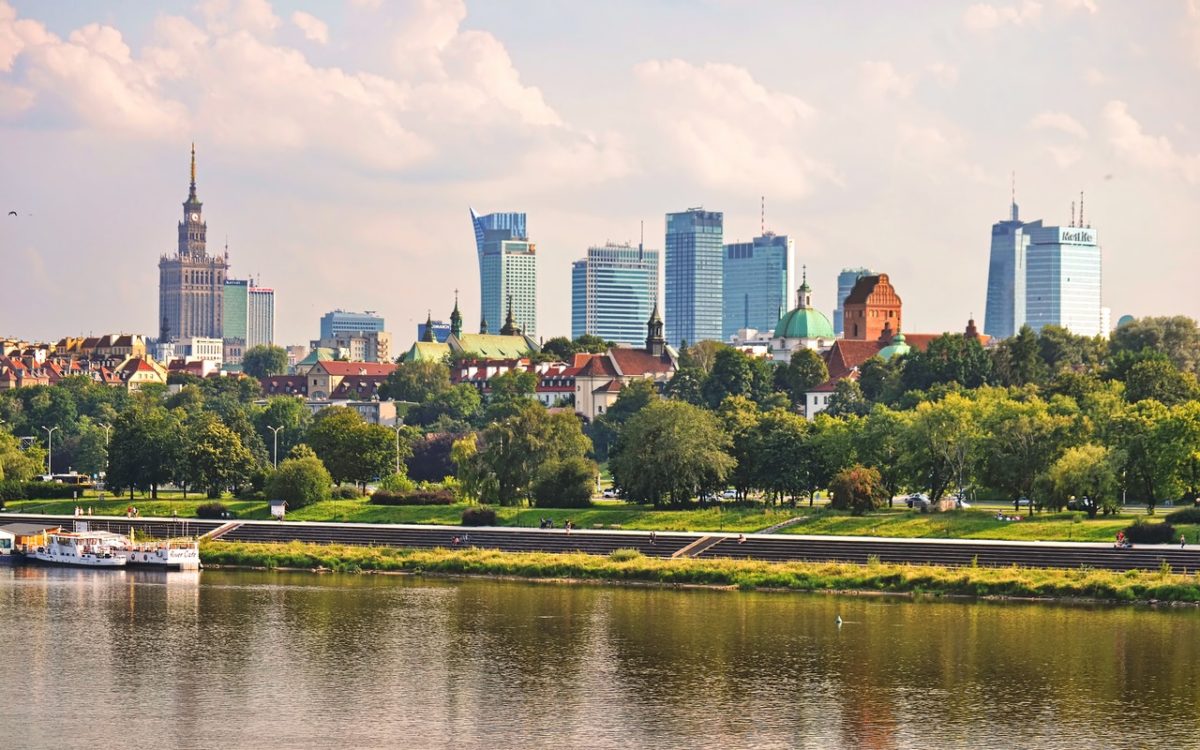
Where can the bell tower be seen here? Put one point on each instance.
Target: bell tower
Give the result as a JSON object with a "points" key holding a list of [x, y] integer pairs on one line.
{"points": [[193, 229]]}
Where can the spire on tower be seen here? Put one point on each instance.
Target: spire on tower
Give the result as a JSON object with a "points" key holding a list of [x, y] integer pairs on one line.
{"points": [[192, 185], [762, 220], [1014, 195], [1081, 222]]}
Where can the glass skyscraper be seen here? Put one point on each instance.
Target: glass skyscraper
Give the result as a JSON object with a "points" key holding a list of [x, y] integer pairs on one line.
{"points": [[613, 291], [507, 268], [1062, 284], [845, 282], [759, 278], [236, 303], [1007, 272], [260, 317], [694, 262]]}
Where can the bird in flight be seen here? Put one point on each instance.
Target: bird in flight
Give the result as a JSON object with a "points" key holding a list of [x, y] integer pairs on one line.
{"points": [[12, 213]]}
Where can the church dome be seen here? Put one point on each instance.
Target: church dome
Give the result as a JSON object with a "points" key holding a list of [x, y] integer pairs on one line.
{"points": [[896, 348], [804, 323]]}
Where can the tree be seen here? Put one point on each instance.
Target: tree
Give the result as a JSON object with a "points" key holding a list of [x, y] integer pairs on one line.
{"points": [[950, 358], [1160, 380], [731, 375], [418, 382], [560, 348], [943, 442], [880, 444], [461, 404], [145, 449], [671, 451], [740, 418], [287, 412], [261, 361], [511, 392], [512, 451], [1086, 472], [351, 449], [300, 481], [701, 356], [777, 440], [213, 457], [847, 399], [880, 380], [632, 398], [565, 483], [1148, 449], [16, 464], [1020, 440], [1017, 360], [1177, 338], [805, 370], [856, 489], [686, 385]]}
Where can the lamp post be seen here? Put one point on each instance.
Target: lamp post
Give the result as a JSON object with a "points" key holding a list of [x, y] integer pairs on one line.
{"points": [[397, 427], [107, 429], [50, 448], [275, 430]]}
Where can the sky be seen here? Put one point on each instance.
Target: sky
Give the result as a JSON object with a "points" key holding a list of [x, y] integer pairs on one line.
{"points": [[340, 145]]}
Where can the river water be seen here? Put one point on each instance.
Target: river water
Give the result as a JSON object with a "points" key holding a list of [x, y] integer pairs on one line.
{"points": [[125, 659]]}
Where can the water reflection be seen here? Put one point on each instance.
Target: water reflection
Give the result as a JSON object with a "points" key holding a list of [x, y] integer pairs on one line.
{"points": [[294, 660]]}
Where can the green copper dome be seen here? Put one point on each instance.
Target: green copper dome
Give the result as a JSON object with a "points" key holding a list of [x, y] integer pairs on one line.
{"points": [[804, 323], [897, 347]]}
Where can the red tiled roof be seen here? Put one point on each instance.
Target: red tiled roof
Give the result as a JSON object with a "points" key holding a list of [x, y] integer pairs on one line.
{"points": [[640, 362], [598, 366], [612, 386], [288, 385]]}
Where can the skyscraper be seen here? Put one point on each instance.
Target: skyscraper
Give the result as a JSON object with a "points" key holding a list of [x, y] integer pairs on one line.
{"points": [[260, 317], [694, 263], [1062, 284], [236, 304], [337, 322], [191, 283], [507, 269], [613, 290], [757, 278], [845, 282], [1007, 268]]}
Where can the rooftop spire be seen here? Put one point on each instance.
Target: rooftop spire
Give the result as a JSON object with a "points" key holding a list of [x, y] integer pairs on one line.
{"points": [[804, 293], [1014, 195], [192, 186]]}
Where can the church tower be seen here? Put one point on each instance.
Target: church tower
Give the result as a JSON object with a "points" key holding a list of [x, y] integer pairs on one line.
{"points": [[191, 283], [456, 318], [656, 344]]}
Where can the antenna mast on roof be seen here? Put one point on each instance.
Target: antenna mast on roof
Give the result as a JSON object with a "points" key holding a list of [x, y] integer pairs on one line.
{"points": [[1081, 209], [1072, 213], [762, 227]]}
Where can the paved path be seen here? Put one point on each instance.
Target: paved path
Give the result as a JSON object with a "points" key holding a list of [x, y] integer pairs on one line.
{"points": [[776, 548]]}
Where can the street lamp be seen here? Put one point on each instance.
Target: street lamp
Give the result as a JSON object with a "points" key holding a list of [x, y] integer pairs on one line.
{"points": [[275, 430], [398, 427], [50, 448], [106, 427]]}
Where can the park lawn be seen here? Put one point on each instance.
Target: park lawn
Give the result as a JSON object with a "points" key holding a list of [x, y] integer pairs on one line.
{"points": [[165, 506], [966, 524]]}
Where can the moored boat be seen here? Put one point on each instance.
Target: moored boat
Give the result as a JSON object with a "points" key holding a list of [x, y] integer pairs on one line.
{"points": [[170, 555], [82, 549]]}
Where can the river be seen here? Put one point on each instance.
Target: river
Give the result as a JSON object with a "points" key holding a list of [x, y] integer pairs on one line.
{"points": [[131, 659]]}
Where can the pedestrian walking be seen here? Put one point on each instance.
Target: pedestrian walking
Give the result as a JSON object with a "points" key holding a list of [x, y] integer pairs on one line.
{"points": [[653, 536], [1182, 541]]}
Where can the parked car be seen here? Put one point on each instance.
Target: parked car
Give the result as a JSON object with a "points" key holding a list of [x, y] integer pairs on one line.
{"points": [[917, 501], [1024, 501], [730, 494], [609, 493]]}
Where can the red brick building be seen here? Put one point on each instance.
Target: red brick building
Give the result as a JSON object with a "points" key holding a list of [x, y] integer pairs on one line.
{"points": [[871, 306]]}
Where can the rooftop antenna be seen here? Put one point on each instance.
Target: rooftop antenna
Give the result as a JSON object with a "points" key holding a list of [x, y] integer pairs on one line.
{"points": [[1072, 213], [1081, 209], [1014, 195], [762, 227]]}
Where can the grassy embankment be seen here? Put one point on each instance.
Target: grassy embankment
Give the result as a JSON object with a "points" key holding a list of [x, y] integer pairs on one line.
{"points": [[899, 522], [631, 566]]}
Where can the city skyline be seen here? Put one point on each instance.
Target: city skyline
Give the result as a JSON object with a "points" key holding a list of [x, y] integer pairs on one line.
{"points": [[415, 133]]}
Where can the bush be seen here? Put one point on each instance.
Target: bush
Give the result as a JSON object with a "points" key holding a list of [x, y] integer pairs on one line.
{"points": [[858, 490], [1150, 533], [351, 492], [396, 482], [213, 510], [479, 515], [299, 482], [565, 484], [12, 489], [423, 496], [1184, 515], [625, 554]]}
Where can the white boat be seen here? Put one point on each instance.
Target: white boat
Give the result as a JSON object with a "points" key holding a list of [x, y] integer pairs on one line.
{"points": [[85, 549], [169, 555]]}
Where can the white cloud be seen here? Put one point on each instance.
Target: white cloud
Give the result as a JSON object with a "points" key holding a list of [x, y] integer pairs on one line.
{"points": [[1094, 77], [1131, 142], [1191, 28], [1074, 5], [1060, 121], [1065, 156], [983, 17], [250, 16], [313, 28], [727, 130], [880, 80], [944, 73]]}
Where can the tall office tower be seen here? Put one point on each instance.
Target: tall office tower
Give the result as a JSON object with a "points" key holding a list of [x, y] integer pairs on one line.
{"points": [[236, 310], [338, 322], [758, 277], [845, 282], [191, 283], [613, 290], [507, 270], [1007, 268], [1062, 283], [694, 262], [260, 317]]}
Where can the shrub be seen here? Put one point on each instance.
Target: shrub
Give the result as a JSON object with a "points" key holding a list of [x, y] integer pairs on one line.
{"points": [[396, 482], [1150, 533], [422, 496], [1184, 515], [565, 484], [479, 515], [300, 481], [12, 489], [350, 492], [857, 489], [213, 510], [625, 554]]}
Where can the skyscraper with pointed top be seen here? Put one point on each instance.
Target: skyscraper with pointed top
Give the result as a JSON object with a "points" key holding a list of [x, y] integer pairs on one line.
{"points": [[190, 281], [507, 267], [1007, 269]]}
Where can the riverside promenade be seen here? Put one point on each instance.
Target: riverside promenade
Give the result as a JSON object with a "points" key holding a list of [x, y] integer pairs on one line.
{"points": [[767, 547]]}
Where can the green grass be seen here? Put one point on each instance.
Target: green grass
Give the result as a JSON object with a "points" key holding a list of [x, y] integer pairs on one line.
{"points": [[626, 565], [966, 524]]}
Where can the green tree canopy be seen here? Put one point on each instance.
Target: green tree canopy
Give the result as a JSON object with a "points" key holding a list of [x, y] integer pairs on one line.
{"points": [[213, 458], [418, 382], [857, 489], [351, 449], [300, 481], [1086, 471], [263, 360]]}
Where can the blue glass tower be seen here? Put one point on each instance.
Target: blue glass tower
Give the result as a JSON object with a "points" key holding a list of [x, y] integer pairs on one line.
{"points": [[613, 291], [1063, 279], [845, 283], [757, 278], [507, 269], [1007, 269], [694, 275]]}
